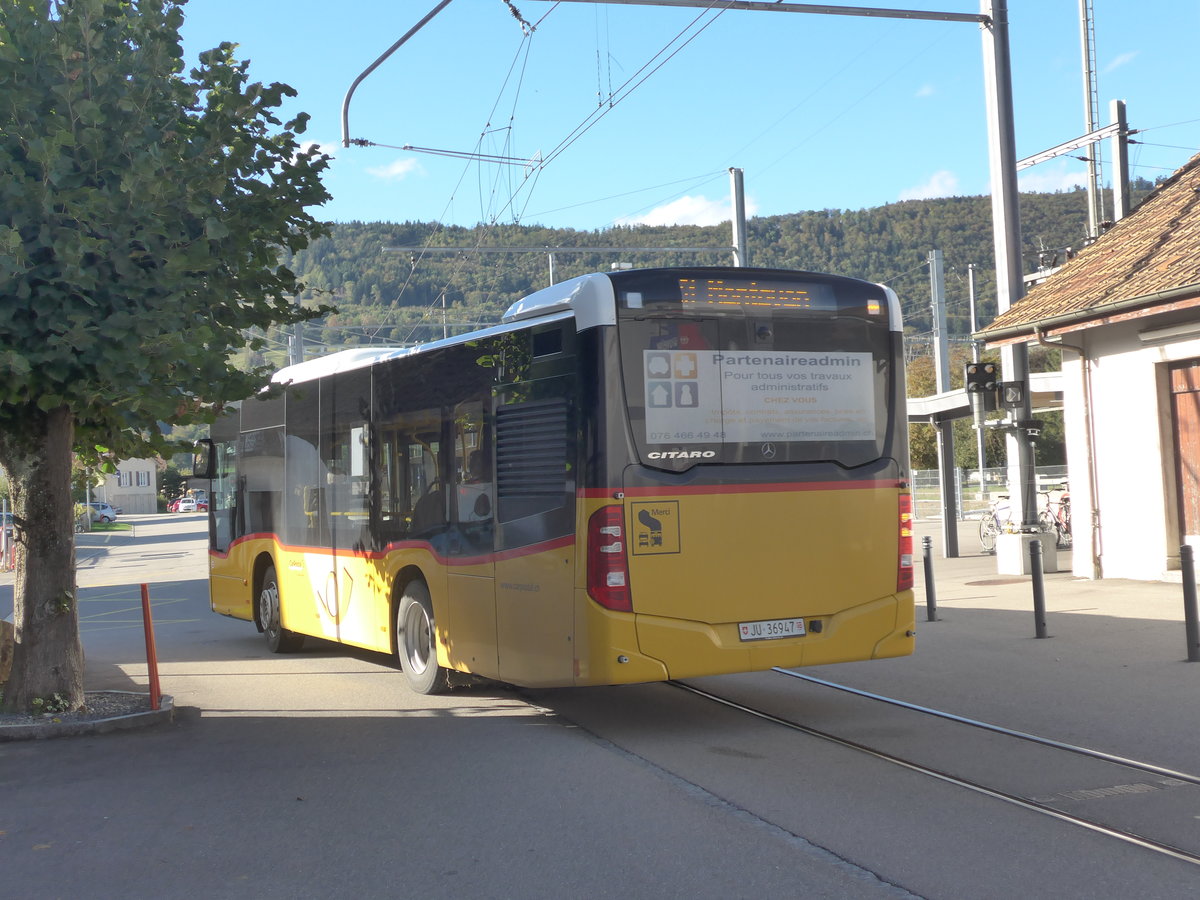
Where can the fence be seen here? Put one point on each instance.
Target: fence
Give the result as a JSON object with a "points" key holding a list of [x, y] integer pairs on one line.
{"points": [[974, 489]]}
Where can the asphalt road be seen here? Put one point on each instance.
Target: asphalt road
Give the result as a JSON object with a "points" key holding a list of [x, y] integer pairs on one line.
{"points": [[320, 775]]}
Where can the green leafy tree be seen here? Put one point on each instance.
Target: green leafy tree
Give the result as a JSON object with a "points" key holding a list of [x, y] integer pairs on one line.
{"points": [[142, 217]]}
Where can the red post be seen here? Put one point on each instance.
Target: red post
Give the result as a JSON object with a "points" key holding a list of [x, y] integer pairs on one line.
{"points": [[151, 653]]}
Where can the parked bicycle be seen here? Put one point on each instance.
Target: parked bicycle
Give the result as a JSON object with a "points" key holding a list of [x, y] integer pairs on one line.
{"points": [[1054, 517], [995, 521]]}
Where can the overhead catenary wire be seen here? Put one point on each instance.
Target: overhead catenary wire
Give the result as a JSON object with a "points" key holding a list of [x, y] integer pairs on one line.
{"points": [[693, 181], [589, 121], [625, 90], [629, 86], [518, 202]]}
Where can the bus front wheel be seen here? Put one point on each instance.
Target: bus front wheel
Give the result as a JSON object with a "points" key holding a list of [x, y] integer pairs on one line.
{"points": [[279, 639], [416, 644]]}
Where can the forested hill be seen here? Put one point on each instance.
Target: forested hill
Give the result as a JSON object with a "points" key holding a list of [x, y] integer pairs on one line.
{"points": [[393, 296]]}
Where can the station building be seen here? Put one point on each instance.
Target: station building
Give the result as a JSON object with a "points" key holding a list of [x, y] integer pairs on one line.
{"points": [[1126, 313]]}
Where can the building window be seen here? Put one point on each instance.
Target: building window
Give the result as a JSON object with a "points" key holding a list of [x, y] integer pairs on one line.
{"points": [[143, 479]]}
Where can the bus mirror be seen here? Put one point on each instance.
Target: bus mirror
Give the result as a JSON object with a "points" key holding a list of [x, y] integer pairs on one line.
{"points": [[202, 459]]}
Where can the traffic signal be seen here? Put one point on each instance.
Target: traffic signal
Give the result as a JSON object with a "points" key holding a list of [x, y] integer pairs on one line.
{"points": [[983, 383], [982, 378]]}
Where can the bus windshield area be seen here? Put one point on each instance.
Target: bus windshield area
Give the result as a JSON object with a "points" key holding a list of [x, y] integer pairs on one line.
{"points": [[783, 383]]}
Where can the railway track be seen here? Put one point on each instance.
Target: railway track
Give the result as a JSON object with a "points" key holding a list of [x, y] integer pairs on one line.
{"points": [[1111, 772]]}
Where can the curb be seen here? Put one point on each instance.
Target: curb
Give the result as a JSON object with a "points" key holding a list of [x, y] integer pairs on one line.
{"points": [[50, 728]]}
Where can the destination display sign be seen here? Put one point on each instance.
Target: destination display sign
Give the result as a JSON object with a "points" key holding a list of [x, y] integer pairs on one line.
{"points": [[719, 292]]}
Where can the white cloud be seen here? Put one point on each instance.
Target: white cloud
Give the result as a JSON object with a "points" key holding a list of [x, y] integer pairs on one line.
{"points": [[1121, 60], [689, 211], [1048, 178], [940, 184], [926, 90], [400, 168]]}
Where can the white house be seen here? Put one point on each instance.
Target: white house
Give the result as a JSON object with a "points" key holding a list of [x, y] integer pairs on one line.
{"points": [[1126, 312], [133, 487]]}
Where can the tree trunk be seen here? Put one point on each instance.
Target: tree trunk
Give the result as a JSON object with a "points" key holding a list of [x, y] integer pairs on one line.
{"points": [[48, 656]]}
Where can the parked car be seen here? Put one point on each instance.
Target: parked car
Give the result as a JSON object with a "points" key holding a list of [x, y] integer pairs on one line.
{"points": [[201, 504], [186, 504], [102, 512]]}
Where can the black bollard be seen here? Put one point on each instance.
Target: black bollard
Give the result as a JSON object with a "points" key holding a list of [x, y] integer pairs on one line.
{"points": [[1190, 622], [930, 592], [1039, 588]]}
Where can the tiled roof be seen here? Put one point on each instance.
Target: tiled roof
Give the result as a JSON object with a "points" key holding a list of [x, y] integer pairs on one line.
{"points": [[1153, 250]]}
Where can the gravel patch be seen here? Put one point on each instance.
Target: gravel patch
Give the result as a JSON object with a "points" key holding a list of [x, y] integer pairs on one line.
{"points": [[97, 705]]}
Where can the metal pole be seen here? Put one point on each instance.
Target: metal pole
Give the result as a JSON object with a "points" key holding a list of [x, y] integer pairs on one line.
{"points": [[1039, 589], [1091, 113], [980, 445], [950, 510], [151, 653], [373, 66], [296, 345], [1190, 620], [741, 256], [930, 590], [1120, 154], [937, 300], [1006, 226], [945, 429]]}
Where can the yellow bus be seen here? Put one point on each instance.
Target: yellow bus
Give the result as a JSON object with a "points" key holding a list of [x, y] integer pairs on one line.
{"points": [[637, 476]]}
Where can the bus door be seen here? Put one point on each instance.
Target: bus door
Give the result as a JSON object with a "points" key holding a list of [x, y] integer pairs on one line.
{"points": [[227, 592], [345, 596], [322, 563], [535, 522], [470, 630]]}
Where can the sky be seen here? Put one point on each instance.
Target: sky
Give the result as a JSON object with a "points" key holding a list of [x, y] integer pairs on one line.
{"points": [[588, 116]]}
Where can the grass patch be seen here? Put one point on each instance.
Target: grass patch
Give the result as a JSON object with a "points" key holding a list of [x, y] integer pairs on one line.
{"points": [[111, 526]]}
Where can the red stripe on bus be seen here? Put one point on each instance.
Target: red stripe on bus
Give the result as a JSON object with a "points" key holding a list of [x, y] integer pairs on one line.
{"points": [[770, 488], [544, 546], [457, 561]]}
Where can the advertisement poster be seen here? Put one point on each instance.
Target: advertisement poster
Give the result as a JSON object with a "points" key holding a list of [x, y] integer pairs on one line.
{"points": [[735, 396]]}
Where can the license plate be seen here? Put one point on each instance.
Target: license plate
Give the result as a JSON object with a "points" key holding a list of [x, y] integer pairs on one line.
{"points": [[771, 629]]}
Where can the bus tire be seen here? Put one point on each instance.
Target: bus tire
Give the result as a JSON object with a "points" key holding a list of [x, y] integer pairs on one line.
{"points": [[279, 639], [416, 642]]}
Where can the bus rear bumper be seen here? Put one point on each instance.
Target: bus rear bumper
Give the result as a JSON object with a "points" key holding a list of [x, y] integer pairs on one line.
{"points": [[874, 630]]}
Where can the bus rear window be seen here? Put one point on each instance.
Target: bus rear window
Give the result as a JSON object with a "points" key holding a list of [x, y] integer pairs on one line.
{"points": [[734, 396], [787, 381]]}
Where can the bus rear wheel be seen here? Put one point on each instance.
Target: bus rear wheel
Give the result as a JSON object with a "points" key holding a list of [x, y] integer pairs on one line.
{"points": [[416, 643], [279, 639]]}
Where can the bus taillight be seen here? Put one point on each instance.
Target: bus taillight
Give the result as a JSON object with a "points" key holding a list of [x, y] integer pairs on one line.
{"points": [[607, 564], [904, 571]]}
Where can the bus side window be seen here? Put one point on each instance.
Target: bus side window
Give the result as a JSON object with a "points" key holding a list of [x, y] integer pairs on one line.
{"points": [[412, 480], [223, 493], [427, 484], [475, 488]]}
